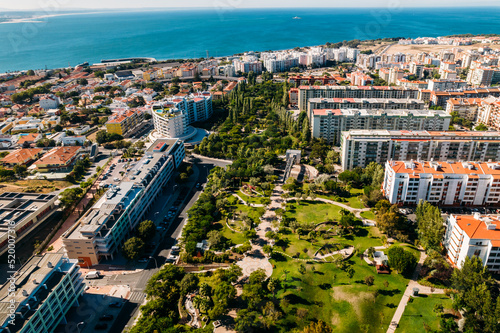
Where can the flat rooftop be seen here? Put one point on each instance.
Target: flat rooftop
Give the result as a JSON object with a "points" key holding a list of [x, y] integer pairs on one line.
{"points": [[30, 280], [427, 135], [17, 206]]}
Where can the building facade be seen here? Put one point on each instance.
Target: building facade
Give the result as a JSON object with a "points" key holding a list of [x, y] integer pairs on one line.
{"points": [[47, 287], [308, 92], [123, 123], [473, 235], [103, 229], [363, 103], [329, 124], [442, 183], [360, 147], [172, 117]]}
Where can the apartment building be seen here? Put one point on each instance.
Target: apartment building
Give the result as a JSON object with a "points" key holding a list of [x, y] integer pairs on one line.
{"points": [[465, 107], [488, 112], [173, 116], [103, 229], [46, 287], [482, 76], [124, 123], [360, 147], [364, 103], [329, 124], [280, 64], [473, 235], [446, 85], [58, 159], [308, 92], [23, 212], [442, 183], [440, 98], [247, 66]]}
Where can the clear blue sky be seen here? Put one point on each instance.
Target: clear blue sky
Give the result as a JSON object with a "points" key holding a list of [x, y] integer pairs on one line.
{"points": [[107, 4]]}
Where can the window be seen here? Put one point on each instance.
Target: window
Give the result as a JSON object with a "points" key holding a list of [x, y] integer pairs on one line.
{"points": [[477, 252]]}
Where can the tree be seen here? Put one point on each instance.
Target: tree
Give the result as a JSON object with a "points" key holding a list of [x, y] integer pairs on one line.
{"points": [[246, 320], [69, 196], [369, 279], [481, 127], [350, 272], [146, 230], [317, 327], [302, 269], [133, 248], [430, 226], [58, 128], [272, 285], [20, 170], [101, 137], [476, 296], [205, 289], [189, 283], [401, 260], [215, 239]]}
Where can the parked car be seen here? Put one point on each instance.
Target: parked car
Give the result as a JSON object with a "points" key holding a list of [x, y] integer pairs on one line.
{"points": [[106, 317], [101, 326], [143, 259], [115, 305]]}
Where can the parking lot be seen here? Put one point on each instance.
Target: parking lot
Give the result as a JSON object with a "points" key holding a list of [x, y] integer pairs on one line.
{"points": [[116, 172]]}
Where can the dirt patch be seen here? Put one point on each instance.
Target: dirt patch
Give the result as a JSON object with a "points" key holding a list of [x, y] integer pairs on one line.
{"points": [[33, 186], [355, 298], [335, 319], [414, 49]]}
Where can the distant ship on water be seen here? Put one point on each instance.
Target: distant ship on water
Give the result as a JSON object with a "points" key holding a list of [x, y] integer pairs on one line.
{"points": [[297, 18]]}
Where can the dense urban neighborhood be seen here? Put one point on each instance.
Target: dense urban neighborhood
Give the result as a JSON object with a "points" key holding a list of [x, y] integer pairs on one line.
{"points": [[346, 187]]}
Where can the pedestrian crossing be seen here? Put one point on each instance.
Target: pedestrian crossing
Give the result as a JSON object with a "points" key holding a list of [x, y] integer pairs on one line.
{"points": [[137, 297]]}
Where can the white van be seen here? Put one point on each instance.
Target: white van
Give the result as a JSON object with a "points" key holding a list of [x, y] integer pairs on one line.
{"points": [[93, 275]]}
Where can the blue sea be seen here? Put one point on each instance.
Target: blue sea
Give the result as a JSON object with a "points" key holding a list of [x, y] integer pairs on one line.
{"points": [[64, 40]]}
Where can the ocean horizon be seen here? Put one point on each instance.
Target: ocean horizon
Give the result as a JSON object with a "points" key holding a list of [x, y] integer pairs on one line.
{"points": [[54, 40]]}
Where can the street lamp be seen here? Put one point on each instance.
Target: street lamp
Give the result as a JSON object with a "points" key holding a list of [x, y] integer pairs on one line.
{"points": [[78, 325], [156, 263]]}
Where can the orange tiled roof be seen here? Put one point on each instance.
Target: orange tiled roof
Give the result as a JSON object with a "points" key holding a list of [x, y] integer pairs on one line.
{"points": [[21, 155], [477, 229], [59, 155]]}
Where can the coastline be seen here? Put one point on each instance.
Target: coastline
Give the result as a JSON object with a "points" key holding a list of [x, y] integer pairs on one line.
{"points": [[39, 18]]}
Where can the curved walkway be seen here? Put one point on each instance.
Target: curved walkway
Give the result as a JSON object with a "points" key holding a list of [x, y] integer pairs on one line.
{"points": [[247, 203]]}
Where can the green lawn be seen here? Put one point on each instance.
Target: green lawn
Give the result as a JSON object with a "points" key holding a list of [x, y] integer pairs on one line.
{"points": [[420, 312], [235, 237], [368, 215], [353, 201], [347, 305], [249, 199], [364, 239], [312, 212]]}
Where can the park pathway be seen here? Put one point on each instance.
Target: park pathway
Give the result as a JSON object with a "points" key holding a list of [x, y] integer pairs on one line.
{"points": [[409, 292], [246, 203]]}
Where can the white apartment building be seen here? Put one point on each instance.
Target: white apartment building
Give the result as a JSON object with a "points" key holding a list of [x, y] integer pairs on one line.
{"points": [[47, 286], [361, 147], [442, 183], [247, 66], [329, 124], [481, 76], [473, 235], [364, 103], [446, 85], [49, 101], [173, 116], [280, 65], [102, 230], [308, 92]]}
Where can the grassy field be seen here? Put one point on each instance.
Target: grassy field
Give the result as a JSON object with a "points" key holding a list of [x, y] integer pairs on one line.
{"points": [[365, 238], [327, 293], [312, 212], [368, 215], [235, 237], [419, 313], [353, 201], [34, 185], [249, 199]]}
